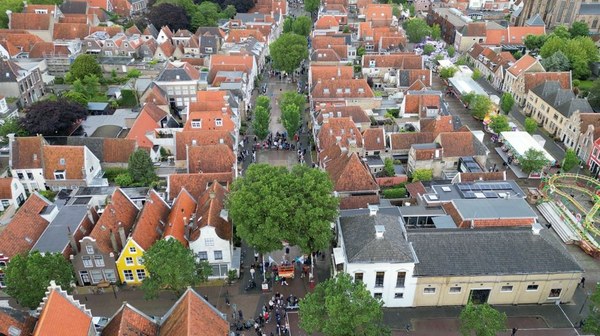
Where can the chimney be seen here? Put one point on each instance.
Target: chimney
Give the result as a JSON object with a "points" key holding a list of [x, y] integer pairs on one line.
{"points": [[90, 215], [224, 214], [373, 208], [9, 14], [122, 234], [536, 228], [113, 241], [72, 241], [379, 230]]}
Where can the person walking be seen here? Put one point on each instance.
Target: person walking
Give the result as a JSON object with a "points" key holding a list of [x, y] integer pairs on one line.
{"points": [[252, 271], [514, 331], [283, 281]]}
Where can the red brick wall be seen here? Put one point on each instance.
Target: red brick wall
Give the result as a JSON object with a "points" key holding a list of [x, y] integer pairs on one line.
{"points": [[391, 181]]}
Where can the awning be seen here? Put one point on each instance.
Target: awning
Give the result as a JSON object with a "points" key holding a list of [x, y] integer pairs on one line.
{"points": [[338, 255]]}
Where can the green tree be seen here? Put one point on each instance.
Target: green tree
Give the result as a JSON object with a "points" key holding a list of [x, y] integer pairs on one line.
{"points": [[271, 204], [476, 74], [15, 6], [480, 106], [262, 119], [288, 51], [468, 98], [417, 30], [360, 52], [12, 125], [448, 72], [481, 319], [499, 124], [592, 322], [594, 94], [141, 168], [396, 12], [570, 161], [507, 102], [451, 51], [28, 275], [228, 12], [530, 125], [312, 6], [88, 87], [388, 167], [428, 49], [207, 14], [291, 118], [75, 97], [533, 161], [557, 62], [288, 25], [85, 65], [561, 31], [552, 45], [302, 25], [579, 28], [264, 102], [436, 32], [411, 10], [292, 98], [517, 54], [172, 266], [422, 175], [534, 42], [340, 307]]}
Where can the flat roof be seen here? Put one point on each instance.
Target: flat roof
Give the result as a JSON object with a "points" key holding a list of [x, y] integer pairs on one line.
{"points": [[469, 190], [55, 238], [521, 141], [496, 208]]}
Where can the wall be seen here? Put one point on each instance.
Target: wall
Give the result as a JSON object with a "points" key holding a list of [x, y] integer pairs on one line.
{"points": [[136, 256], [37, 183], [92, 165], [109, 262], [389, 289], [224, 246]]}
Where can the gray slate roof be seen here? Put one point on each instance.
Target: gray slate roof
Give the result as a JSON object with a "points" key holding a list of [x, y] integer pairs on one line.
{"points": [[577, 104], [55, 238], [589, 9], [535, 21], [493, 208], [489, 251], [562, 99], [170, 75], [362, 246]]}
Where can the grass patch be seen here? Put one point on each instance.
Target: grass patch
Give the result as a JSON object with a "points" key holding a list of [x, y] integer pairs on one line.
{"points": [[586, 84]]}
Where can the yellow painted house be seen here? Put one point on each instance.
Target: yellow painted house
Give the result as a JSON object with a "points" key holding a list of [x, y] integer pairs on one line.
{"points": [[148, 229]]}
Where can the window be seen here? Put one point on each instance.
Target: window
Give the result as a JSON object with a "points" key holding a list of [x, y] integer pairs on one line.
{"points": [[196, 123], [379, 279], [129, 261], [20, 176], [400, 279], [219, 122], [358, 277], [110, 275], [555, 293], [455, 290], [208, 49], [59, 174], [378, 295], [140, 261], [532, 287], [128, 274], [506, 289], [99, 261], [87, 261], [209, 242], [141, 274], [218, 255], [398, 295], [203, 255], [5, 203], [30, 175], [429, 290], [219, 270], [96, 276], [132, 250], [89, 249]]}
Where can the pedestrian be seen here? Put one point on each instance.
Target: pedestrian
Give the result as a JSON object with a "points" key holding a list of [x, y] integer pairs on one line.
{"points": [[252, 271], [240, 314], [582, 282], [514, 331], [283, 281], [256, 255]]}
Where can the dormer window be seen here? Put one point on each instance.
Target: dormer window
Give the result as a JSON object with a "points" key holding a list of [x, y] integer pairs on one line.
{"points": [[326, 91], [372, 63], [219, 122], [59, 175], [196, 123], [41, 11], [347, 90], [361, 90], [338, 90]]}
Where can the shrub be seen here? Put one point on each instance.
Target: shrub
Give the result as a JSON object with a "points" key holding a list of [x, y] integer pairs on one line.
{"points": [[394, 193], [112, 173], [124, 180], [128, 98]]}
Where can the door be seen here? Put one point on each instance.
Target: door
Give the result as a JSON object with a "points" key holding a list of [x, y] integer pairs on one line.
{"points": [[85, 278], [479, 296]]}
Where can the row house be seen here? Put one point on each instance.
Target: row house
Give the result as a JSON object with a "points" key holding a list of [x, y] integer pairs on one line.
{"points": [[318, 71], [558, 111], [16, 43], [25, 84], [210, 40], [396, 70], [180, 80], [514, 80], [40, 166], [339, 45], [12, 193], [350, 92], [326, 25], [450, 21], [593, 158], [359, 117], [38, 20], [337, 10], [235, 72], [492, 34], [587, 143], [379, 15], [492, 64], [381, 39], [429, 128]]}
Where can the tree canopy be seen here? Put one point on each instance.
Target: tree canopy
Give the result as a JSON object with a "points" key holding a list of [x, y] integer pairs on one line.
{"points": [[534, 42], [507, 102], [166, 14], [16, 6], [302, 25], [85, 65], [388, 167], [580, 51], [448, 72], [499, 124], [292, 98], [557, 62], [291, 118], [270, 204], [436, 32], [48, 117], [570, 161], [262, 119], [533, 161], [342, 307], [579, 28], [141, 168], [172, 266], [422, 175], [312, 6], [594, 94], [481, 319], [417, 30], [12, 125], [480, 105], [27, 276], [288, 51], [530, 125]]}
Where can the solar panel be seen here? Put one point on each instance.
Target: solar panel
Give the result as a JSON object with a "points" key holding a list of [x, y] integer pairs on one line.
{"points": [[500, 186], [490, 194], [469, 194], [475, 187], [463, 187]]}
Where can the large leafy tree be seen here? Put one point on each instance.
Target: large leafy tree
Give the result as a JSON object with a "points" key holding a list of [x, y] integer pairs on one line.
{"points": [[499, 124], [580, 50], [49, 117], [422, 175], [570, 161], [292, 98], [448, 72], [172, 266], [507, 102], [482, 319], [291, 118], [436, 32], [28, 276], [302, 26], [579, 28], [557, 62], [342, 307], [262, 119], [533, 161], [561, 31], [263, 101], [15, 6], [12, 126], [271, 204], [480, 106], [288, 51], [288, 25], [416, 30], [141, 168], [534, 42], [312, 6], [166, 14], [594, 94], [530, 125], [241, 6], [85, 65]]}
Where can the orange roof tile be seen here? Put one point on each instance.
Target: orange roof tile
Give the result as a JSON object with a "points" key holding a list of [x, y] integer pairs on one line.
{"points": [[181, 213], [240, 35], [356, 113], [147, 121], [396, 60], [6, 187], [533, 79], [516, 35], [118, 150], [129, 321], [457, 144], [325, 42], [59, 308], [209, 120], [12, 320], [195, 184], [324, 55], [25, 228], [374, 139], [437, 125], [349, 173], [151, 222], [324, 72], [27, 152], [30, 21], [110, 30], [200, 138], [403, 141], [192, 315], [156, 96], [217, 158], [70, 159], [208, 213], [327, 22], [344, 128], [120, 212], [522, 65], [496, 36]]}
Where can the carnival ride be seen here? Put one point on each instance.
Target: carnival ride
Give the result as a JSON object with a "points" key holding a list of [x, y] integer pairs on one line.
{"points": [[578, 215]]}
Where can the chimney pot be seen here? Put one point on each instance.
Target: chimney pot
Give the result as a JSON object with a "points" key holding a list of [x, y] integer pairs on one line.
{"points": [[373, 209]]}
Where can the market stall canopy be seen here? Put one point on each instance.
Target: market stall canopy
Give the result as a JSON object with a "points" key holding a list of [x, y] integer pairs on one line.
{"points": [[520, 142]]}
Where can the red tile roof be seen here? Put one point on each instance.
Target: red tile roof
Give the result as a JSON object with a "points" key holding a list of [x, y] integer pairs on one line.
{"points": [[62, 315], [325, 55], [192, 315], [6, 187], [120, 212], [30, 21], [200, 138], [129, 321], [240, 35], [356, 113], [516, 35], [118, 150], [70, 159], [180, 216], [217, 158], [344, 128], [457, 144], [349, 173], [208, 213], [209, 120], [374, 139], [342, 89], [25, 228], [403, 141], [327, 22], [533, 79], [27, 152], [358, 201], [195, 184], [147, 121], [326, 72], [522, 65], [12, 320], [437, 125], [325, 42], [418, 103], [151, 222]]}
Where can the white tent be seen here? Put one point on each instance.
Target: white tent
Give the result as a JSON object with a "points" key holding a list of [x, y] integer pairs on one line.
{"points": [[520, 142]]}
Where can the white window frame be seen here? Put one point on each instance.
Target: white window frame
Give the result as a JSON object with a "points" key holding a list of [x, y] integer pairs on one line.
{"points": [[87, 261], [429, 290], [128, 275], [89, 249], [99, 261], [140, 271], [132, 249], [129, 261], [196, 123], [218, 122]]}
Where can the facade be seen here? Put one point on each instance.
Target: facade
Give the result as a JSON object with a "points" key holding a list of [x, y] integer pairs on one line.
{"points": [[12, 193], [25, 84], [180, 81], [514, 80], [593, 161]]}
